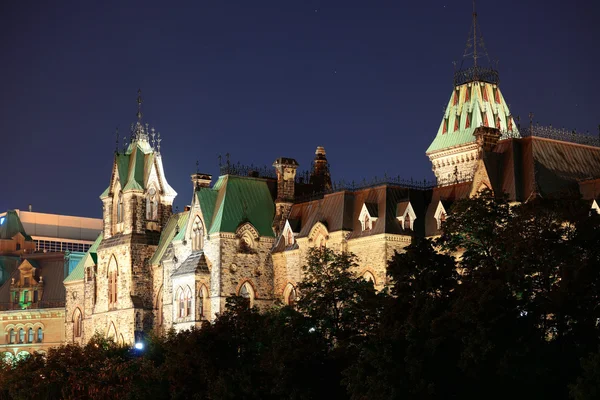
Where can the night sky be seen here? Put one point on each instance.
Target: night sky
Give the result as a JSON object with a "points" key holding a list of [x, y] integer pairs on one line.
{"points": [[265, 79]]}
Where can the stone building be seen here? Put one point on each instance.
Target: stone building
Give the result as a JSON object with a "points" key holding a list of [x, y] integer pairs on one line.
{"points": [[249, 233]]}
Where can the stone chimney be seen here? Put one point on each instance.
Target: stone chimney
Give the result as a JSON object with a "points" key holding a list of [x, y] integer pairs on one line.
{"points": [[286, 181], [320, 177], [201, 180], [486, 137]]}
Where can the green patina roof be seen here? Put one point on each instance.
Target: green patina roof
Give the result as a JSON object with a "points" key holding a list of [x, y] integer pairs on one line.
{"points": [[11, 225], [234, 200], [132, 165], [172, 231], [474, 107], [78, 272]]}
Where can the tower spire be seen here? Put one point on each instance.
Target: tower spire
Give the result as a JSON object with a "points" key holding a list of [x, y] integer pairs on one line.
{"points": [[139, 103], [474, 35], [475, 47]]}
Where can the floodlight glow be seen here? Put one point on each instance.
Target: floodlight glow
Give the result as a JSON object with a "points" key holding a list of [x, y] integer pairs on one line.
{"points": [[139, 346], [2, 220]]}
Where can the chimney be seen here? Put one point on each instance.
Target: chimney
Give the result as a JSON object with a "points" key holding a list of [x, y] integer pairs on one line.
{"points": [[486, 137], [320, 177], [286, 180], [201, 180]]}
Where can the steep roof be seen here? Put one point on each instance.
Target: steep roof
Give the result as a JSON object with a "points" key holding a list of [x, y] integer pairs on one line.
{"points": [[175, 227], [90, 258], [7, 266], [234, 200], [10, 225], [471, 105]]}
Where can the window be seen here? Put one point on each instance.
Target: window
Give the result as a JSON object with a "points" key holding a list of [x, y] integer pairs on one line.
{"points": [[120, 208], [152, 205], [35, 296], [25, 296], [21, 335], [77, 323], [30, 335], [366, 223], [289, 239], [26, 281], [184, 302], [407, 221], [12, 336], [201, 298], [197, 234], [247, 292], [112, 283], [16, 297], [290, 295], [18, 246], [40, 335]]}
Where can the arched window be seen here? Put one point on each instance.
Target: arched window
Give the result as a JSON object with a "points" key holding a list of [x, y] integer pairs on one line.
{"points": [[77, 323], [407, 221], [368, 276], [120, 208], [188, 302], [30, 335], [289, 238], [290, 295], [197, 234], [152, 205], [202, 295], [367, 223], [40, 335], [112, 283], [21, 335], [247, 292], [184, 302], [12, 337]]}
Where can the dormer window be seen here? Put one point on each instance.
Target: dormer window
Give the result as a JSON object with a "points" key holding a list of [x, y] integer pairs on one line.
{"points": [[368, 215], [152, 205], [406, 215], [440, 215]]}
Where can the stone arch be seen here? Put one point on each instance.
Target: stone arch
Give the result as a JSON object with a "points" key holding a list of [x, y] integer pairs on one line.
{"points": [[247, 290], [368, 275], [247, 234], [318, 234], [77, 320], [111, 332], [290, 294], [203, 303]]}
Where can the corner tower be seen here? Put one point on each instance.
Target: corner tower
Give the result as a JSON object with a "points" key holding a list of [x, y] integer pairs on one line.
{"points": [[136, 206], [475, 101]]}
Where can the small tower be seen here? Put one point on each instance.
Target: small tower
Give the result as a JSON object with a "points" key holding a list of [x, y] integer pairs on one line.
{"points": [[475, 102], [320, 177], [286, 181]]}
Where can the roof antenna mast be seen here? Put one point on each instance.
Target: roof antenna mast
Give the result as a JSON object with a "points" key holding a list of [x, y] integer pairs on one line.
{"points": [[474, 35]]}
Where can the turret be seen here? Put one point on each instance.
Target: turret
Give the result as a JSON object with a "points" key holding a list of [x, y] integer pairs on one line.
{"points": [[286, 181], [320, 178]]}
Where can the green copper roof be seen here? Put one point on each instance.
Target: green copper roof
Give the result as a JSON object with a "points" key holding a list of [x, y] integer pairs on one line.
{"points": [[78, 272], [175, 227], [234, 200], [10, 225], [472, 105]]}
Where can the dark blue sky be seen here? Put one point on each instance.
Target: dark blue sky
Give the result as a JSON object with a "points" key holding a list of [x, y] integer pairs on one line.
{"points": [[264, 79]]}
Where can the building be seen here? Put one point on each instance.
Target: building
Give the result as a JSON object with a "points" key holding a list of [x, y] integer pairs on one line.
{"points": [[249, 233], [32, 294]]}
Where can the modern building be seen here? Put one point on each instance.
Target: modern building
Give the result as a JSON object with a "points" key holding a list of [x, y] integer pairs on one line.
{"points": [[32, 294]]}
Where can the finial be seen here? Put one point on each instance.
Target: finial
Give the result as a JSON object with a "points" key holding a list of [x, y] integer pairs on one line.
{"points": [[158, 143], [227, 158], [117, 140], [221, 159], [531, 115], [197, 167], [139, 102], [153, 138], [124, 144]]}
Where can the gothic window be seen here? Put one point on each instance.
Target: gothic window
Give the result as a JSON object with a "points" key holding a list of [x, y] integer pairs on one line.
{"points": [[152, 205], [289, 238], [202, 295], [77, 323], [368, 276], [247, 292], [197, 234], [40, 335], [30, 335], [188, 302], [112, 283], [21, 335], [290, 295], [184, 302], [120, 208], [366, 223], [12, 336], [407, 221]]}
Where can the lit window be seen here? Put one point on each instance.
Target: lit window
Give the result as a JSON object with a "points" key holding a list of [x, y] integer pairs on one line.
{"points": [[407, 224], [12, 336], [30, 335], [77, 323], [201, 303], [21, 335], [40, 335]]}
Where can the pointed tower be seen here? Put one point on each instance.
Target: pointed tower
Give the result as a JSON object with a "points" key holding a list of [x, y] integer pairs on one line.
{"points": [[320, 176], [476, 101], [136, 206]]}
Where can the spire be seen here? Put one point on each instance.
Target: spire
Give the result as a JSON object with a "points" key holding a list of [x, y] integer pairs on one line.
{"points": [[475, 49], [139, 102], [140, 131]]}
